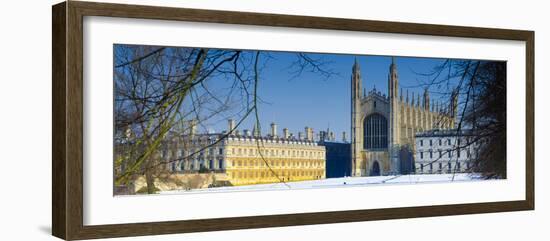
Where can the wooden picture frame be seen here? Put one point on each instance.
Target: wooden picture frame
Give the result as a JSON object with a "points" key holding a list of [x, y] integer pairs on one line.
{"points": [[67, 123]]}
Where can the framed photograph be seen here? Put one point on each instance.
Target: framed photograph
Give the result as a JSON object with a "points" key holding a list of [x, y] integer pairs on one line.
{"points": [[171, 120]]}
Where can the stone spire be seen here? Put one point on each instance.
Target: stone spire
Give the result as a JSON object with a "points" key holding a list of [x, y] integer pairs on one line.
{"points": [[454, 103], [426, 99], [393, 80], [395, 129], [356, 140]]}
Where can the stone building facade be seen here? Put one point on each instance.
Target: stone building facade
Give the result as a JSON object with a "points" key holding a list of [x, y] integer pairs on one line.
{"points": [[445, 151], [248, 157], [384, 126]]}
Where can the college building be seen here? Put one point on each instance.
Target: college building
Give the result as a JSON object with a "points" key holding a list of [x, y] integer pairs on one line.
{"points": [[445, 151], [249, 157]]}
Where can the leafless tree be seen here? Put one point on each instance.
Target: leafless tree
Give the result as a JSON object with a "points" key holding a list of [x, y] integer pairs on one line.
{"points": [[159, 89], [480, 86]]}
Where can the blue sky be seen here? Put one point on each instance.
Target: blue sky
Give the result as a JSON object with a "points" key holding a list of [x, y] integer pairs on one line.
{"points": [[309, 99], [313, 100]]}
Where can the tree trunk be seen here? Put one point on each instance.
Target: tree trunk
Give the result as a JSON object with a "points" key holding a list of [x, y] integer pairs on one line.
{"points": [[150, 180]]}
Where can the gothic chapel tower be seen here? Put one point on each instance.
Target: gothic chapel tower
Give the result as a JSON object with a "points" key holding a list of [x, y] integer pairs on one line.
{"points": [[394, 130], [379, 128], [356, 130]]}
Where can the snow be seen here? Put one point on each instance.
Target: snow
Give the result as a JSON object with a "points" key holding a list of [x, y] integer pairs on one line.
{"points": [[342, 182]]}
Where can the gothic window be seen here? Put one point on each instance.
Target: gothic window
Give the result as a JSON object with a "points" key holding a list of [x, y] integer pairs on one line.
{"points": [[375, 132]]}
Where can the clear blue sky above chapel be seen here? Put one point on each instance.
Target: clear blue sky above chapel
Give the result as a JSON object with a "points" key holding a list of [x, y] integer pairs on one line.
{"points": [[315, 101]]}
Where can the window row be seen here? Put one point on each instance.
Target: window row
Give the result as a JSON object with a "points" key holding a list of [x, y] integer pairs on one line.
{"points": [[275, 152], [448, 167], [440, 142], [276, 163], [280, 174], [195, 165], [445, 153], [166, 154]]}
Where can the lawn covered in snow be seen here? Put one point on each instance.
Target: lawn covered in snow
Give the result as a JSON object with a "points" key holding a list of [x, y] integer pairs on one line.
{"points": [[342, 182]]}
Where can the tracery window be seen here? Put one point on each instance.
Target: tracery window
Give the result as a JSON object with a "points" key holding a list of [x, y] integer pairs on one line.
{"points": [[375, 132]]}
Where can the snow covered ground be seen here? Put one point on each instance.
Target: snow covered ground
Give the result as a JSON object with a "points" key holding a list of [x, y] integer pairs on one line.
{"points": [[342, 182]]}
